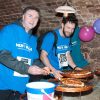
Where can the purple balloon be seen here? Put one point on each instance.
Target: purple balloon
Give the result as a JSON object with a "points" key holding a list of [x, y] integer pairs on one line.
{"points": [[86, 33], [96, 26]]}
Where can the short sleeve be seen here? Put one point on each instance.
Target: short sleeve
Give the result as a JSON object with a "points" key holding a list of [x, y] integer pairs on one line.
{"points": [[48, 42]]}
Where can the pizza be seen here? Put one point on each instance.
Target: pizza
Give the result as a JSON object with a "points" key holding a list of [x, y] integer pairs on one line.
{"points": [[77, 74], [72, 82], [81, 72]]}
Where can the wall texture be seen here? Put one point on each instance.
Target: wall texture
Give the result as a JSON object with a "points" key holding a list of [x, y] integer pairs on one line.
{"points": [[87, 12]]}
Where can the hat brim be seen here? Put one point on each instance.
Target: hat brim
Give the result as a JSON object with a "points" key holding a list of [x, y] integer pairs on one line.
{"points": [[65, 9]]}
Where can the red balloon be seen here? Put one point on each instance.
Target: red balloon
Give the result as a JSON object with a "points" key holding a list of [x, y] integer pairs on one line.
{"points": [[86, 33]]}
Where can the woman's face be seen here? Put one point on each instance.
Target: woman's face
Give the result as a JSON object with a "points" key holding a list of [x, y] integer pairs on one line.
{"points": [[30, 19]]}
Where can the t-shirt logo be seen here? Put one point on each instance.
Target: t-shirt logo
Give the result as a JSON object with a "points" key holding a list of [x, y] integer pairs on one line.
{"points": [[62, 47], [24, 46], [74, 43]]}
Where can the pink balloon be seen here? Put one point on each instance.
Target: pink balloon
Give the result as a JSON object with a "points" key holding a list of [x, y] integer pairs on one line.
{"points": [[86, 33]]}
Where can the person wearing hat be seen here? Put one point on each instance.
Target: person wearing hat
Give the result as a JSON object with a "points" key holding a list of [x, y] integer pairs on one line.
{"points": [[78, 59], [56, 58], [76, 53]]}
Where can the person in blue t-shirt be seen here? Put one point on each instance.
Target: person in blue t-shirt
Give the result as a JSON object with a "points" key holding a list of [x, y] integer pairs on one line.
{"points": [[76, 53], [18, 52], [56, 58]]}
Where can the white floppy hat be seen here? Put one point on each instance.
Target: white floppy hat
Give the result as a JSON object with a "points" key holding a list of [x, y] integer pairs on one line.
{"points": [[65, 10]]}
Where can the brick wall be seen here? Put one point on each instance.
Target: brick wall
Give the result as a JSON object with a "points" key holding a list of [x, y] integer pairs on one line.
{"points": [[9, 11], [87, 12]]}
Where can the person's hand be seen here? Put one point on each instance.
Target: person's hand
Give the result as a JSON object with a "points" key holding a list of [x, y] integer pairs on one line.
{"points": [[47, 69], [77, 68], [57, 74], [35, 70]]}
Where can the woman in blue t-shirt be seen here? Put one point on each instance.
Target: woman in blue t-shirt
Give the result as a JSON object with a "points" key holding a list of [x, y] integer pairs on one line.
{"points": [[18, 51]]}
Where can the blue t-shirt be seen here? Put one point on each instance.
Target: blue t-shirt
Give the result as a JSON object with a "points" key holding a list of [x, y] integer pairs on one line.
{"points": [[22, 46], [57, 60], [76, 54]]}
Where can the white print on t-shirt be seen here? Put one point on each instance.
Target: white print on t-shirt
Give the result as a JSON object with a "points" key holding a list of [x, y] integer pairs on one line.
{"points": [[24, 46], [26, 61], [62, 60], [62, 47], [74, 43]]}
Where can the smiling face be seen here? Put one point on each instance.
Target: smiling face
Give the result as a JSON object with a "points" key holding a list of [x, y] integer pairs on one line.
{"points": [[68, 25], [30, 19], [68, 28]]}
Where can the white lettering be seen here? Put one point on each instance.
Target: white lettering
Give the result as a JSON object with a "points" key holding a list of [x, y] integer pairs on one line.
{"points": [[23, 46], [61, 47]]}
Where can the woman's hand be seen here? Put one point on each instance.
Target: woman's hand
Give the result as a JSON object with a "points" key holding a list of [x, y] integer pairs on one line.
{"points": [[35, 70]]}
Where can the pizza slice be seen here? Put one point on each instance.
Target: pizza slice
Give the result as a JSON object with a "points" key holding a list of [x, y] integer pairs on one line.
{"points": [[72, 82], [77, 74]]}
